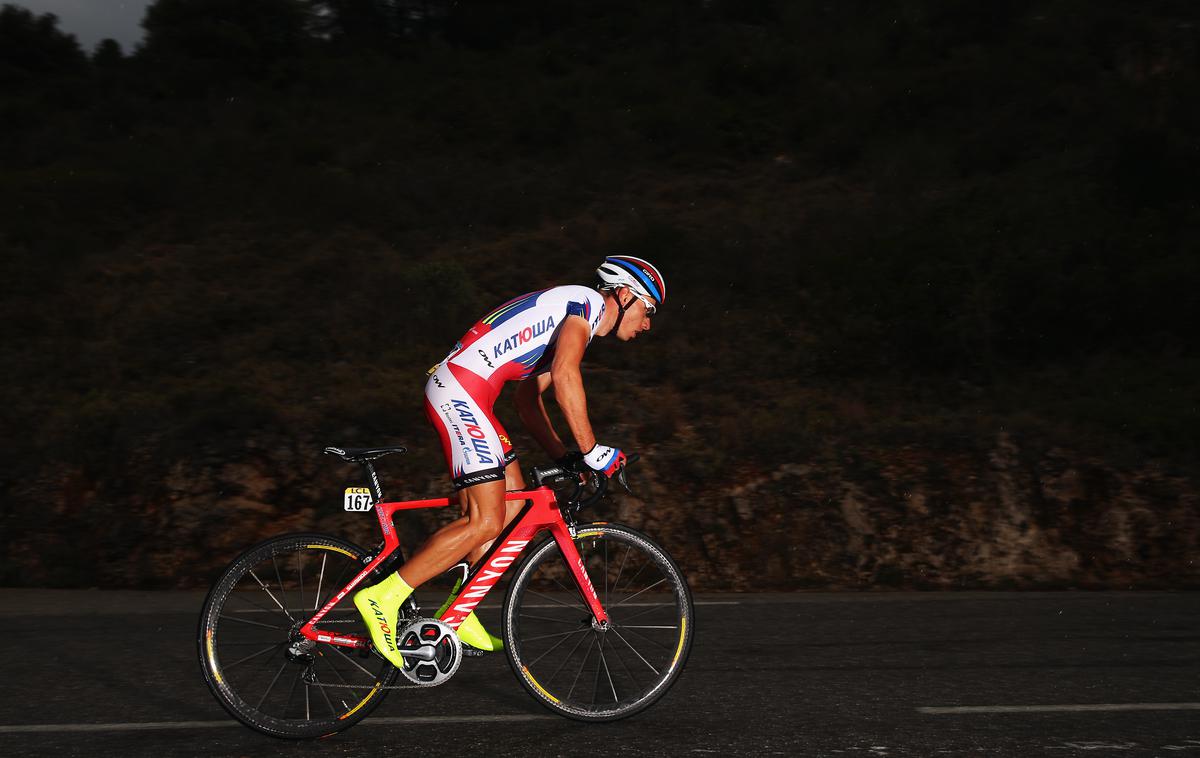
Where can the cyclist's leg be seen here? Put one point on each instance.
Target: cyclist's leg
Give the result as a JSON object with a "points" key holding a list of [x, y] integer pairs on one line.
{"points": [[380, 604], [459, 405], [473, 451], [513, 481], [484, 520], [472, 631]]}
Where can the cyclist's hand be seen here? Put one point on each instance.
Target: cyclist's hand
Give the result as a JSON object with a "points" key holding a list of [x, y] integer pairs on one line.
{"points": [[573, 461], [606, 460]]}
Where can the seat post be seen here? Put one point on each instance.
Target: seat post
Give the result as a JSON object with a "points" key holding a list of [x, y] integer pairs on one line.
{"points": [[378, 490]]}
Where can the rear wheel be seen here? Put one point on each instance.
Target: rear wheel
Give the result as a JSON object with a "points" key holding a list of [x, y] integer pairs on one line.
{"points": [[250, 621], [573, 666]]}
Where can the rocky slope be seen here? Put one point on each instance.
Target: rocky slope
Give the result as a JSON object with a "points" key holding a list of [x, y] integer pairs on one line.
{"points": [[869, 518]]}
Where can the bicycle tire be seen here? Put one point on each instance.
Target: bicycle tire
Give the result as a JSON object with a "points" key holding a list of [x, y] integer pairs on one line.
{"points": [[246, 616], [543, 600]]}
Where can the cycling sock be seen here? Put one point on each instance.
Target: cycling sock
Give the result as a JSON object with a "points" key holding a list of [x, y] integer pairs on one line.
{"points": [[380, 609], [472, 633]]}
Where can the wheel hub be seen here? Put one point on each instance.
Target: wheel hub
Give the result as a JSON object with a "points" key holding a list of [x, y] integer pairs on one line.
{"points": [[299, 648]]}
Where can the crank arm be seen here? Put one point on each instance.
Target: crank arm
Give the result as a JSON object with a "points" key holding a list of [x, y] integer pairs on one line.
{"points": [[424, 653]]}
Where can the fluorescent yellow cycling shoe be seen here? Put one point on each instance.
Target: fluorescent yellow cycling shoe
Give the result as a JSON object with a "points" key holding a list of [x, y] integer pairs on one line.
{"points": [[380, 609], [472, 633]]}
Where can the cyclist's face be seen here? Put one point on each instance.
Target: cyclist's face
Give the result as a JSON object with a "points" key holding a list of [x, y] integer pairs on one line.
{"points": [[636, 320]]}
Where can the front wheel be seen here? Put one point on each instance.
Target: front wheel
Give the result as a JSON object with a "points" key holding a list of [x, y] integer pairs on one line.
{"points": [[249, 626], [578, 669]]}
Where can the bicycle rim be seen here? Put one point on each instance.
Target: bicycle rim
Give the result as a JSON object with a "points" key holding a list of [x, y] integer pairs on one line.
{"points": [[252, 614], [576, 669]]}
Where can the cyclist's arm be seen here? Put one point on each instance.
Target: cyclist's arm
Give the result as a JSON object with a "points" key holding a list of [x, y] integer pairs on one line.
{"points": [[568, 380], [533, 414]]}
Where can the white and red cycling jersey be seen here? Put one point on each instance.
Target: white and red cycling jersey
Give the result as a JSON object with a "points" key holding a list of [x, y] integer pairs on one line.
{"points": [[511, 343]]}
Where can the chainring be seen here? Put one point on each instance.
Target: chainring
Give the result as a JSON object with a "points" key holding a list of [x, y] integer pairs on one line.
{"points": [[442, 645]]}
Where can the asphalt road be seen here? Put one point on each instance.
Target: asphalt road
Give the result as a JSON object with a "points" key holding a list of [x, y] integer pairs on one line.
{"points": [[823, 674]]}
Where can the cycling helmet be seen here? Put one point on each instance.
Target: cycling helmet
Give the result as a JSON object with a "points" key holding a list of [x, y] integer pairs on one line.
{"points": [[634, 273]]}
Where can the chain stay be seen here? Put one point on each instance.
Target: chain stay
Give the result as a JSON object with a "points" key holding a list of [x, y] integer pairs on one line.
{"points": [[309, 683]]}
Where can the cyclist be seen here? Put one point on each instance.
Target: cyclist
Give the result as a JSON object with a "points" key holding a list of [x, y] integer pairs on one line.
{"points": [[537, 340]]}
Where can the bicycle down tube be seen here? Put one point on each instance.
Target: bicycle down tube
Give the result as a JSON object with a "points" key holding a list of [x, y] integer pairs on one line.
{"points": [[540, 512]]}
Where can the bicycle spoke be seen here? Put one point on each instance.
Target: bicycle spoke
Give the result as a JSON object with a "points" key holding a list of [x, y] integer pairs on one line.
{"points": [[579, 607], [636, 574], [282, 591], [267, 590], [253, 623], [631, 597], [355, 663], [608, 673], [556, 634], [271, 686], [246, 599], [565, 588], [553, 648], [307, 711], [325, 695], [581, 668], [564, 663], [647, 639], [241, 644], [337, 583], [646, 626], [338, 674], [651, 609], [596, 679], [605, 573], [547, 618], [635, 652], [291, 694], [320, 578], [300, 574], [624, 665], [621, 569], [266, 649], [332, 668]]}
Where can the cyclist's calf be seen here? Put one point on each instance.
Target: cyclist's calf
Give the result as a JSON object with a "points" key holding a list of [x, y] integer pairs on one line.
{"points": [[485, 525]]}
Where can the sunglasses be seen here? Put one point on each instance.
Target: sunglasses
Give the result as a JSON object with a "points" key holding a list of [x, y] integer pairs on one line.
{"points": [[650, 307]]}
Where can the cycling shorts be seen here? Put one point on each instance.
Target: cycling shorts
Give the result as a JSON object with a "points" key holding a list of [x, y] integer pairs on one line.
{"points": [[459, 405]]}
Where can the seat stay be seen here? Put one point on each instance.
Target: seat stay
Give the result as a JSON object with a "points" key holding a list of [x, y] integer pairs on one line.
{"points": [[385, 512]]}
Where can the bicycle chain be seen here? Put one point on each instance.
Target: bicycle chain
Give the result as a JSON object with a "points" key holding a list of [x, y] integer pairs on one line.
{"points": [[392, 686], [368, 687]]}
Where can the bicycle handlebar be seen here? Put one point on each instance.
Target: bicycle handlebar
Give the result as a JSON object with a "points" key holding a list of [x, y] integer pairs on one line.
{"points": [[551, 474]]}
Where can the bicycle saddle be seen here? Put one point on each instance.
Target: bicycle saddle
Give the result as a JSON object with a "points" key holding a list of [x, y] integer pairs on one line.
{"points": [[363, 454]]}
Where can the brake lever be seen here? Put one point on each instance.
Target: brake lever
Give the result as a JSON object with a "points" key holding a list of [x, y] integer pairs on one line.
{"points": [[623, 480], [600, 482]]}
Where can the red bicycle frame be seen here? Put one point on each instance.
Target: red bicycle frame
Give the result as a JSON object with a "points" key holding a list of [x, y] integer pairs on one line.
{"points": [[540, 512]]}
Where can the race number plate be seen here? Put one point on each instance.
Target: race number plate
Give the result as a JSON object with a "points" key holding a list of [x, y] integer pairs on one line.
{"points": [[358, 499]]}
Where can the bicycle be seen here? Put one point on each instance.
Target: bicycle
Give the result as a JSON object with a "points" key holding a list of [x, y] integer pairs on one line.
{"points": [[566, 618]]}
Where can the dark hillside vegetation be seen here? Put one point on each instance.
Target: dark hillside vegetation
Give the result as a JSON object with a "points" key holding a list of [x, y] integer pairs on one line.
{"points": [[932, 269]]}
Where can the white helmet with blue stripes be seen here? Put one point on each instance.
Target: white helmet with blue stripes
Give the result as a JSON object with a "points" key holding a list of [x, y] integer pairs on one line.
{"points": [[634, 273]]}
